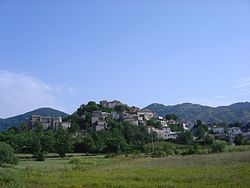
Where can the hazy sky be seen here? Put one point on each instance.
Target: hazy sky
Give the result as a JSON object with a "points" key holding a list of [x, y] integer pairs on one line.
{"points": [[62, 54]]}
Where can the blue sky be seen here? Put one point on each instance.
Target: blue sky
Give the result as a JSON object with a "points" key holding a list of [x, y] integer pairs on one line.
{"points": [[64, 53]]}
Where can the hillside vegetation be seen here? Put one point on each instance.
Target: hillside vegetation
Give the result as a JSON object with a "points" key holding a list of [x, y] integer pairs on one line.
{"points": [[187, 111]]}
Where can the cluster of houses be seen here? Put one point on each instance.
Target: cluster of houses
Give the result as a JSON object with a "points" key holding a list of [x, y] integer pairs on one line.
{"points": [[232, 132], [48, 122], [165, 131], [137, 117]]}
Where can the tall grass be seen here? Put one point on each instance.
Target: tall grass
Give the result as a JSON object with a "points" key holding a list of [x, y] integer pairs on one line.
{"points": [[215, 170]]}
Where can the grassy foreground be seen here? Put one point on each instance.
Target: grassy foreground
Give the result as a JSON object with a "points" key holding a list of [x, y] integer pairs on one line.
{"points": [[214, 170]]}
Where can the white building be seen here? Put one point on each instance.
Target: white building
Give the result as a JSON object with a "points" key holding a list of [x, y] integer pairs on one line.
{"points": [[168, 134], [164, 133], [234, 131], [189, 125]]}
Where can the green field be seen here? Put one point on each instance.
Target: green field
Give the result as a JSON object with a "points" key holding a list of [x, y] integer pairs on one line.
{"points": [[214, 170]]}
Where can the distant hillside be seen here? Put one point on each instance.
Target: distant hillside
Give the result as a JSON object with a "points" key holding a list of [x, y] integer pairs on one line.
{"points": [[17, 120], [235, 112]]}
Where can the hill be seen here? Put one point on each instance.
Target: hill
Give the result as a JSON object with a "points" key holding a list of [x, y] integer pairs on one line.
{"points": [[17, 120], [188, 111]]}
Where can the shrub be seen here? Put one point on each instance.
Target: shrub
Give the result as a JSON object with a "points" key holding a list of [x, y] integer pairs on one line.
{"points": [[209, 139], [191, 150], [7, 154], [219, 146], [40, 156], [111, 155], [75, 161], [158, 154], [239, 140]]}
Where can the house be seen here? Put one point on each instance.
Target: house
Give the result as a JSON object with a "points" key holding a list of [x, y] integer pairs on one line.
{"points": [[158, 132], [48, 122], [163, 122], [66, 125], [218, 130], [111, 104], [131, 118], [168, 134], [99, 127], [115, 115], [171, 122], [246, 135], [146, 114], [189, 125], [45, 121], [234, 131], [164, 133], [134, 109], [96, 115], [99, 116]]}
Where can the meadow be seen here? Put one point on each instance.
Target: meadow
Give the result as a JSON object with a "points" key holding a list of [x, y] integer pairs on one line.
{"points": [[231, 169]]}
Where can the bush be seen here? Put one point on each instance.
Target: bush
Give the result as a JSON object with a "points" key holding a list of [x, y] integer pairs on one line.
{"points": [[239, 140], [81, 163], [209, 139], [219, 146], [191, 150], [158, 154], [111, 155], [40, 156], [7, 154]]}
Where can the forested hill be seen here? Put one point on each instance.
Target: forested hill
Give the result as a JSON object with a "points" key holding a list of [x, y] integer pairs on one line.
{"points": [[188, 111], [17, 120]]}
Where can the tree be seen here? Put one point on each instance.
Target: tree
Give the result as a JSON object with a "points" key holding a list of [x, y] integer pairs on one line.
{"points": [[122, 108], [48, 141], [91, 106], [154, 123], [219, 146], [209, 139], [37, 146], [239, 140], [88, 144], [185, 137], [176, 128], [115, 144], [201, 132], [63, 142], [7, 154], [171, 117], [74, 127]]}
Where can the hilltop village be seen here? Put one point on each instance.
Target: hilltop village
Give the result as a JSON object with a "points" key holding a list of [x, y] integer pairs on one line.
{"points": [[98, 116], [112, 127], [122, 113]]}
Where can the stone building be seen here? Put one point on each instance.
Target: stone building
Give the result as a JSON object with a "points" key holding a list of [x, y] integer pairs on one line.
{"points": [[111, 104], [146, 114], [48, 122], [131, 118], [164, 132]]}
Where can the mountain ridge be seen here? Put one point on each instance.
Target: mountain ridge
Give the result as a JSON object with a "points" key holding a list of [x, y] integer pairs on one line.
{"points": [[235, 112]]}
